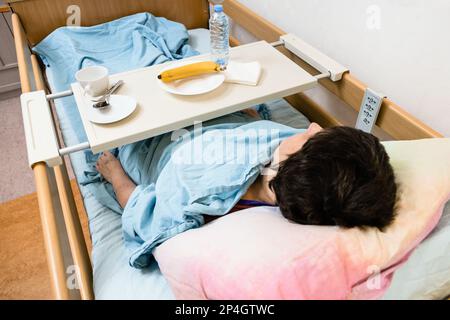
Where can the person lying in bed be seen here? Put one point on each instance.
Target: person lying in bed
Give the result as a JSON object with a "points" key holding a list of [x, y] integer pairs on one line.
{"points": [[337, 176]]}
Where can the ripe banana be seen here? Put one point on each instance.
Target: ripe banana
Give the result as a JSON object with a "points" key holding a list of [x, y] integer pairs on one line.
{"points": [[190, 70]]}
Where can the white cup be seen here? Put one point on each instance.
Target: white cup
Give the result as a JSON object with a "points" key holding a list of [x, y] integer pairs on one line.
{"points": [[94, 80]]}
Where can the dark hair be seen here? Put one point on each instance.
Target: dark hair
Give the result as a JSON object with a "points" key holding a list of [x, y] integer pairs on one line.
{"points": [[341, 176]]}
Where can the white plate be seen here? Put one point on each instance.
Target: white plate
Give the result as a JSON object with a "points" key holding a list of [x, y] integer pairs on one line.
{"points": [[120, 108], [192, 86]]}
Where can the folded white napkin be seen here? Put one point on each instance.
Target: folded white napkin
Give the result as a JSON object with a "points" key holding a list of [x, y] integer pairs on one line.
{"points": [[247, 73]]}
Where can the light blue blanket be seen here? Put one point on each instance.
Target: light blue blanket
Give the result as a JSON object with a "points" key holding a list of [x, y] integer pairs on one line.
{"points": [[205, 171]]}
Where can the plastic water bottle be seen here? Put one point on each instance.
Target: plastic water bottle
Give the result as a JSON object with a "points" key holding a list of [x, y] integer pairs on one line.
{"points": [[219, 26]]}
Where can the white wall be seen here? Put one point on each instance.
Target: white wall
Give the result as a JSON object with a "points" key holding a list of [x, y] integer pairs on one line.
{"points": [[398, 47]]}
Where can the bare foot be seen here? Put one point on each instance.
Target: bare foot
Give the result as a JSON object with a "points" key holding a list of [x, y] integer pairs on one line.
{"points": [[111, 169]]}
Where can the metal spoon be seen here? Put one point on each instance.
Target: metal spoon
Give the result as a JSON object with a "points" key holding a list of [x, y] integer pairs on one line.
{"points": [[103, 102]]}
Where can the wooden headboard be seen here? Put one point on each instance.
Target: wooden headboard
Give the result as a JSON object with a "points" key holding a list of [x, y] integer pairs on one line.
{"points": [[40, 17]]}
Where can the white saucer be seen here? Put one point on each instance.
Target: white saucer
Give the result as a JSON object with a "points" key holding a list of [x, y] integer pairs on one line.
{"points": [[192, 86], [120, 108]]}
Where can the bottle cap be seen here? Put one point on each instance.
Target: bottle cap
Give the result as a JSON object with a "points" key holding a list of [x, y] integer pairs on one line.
{"points": [[218, 8]]}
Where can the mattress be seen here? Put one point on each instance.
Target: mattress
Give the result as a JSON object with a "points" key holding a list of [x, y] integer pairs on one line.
{"points": [[113, 277], [425, 276]]}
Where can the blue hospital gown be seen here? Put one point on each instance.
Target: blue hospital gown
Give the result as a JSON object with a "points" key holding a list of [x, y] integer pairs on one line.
{"points": [[204, 172]]}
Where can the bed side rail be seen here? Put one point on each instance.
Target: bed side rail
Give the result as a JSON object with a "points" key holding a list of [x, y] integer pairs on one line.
{"points": [[67, 255], [42, 144], [41, 17], [313, 57], [392, 119]]}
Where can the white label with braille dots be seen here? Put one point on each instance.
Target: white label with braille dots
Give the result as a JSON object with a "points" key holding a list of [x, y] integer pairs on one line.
{"points": [[369, 110]]}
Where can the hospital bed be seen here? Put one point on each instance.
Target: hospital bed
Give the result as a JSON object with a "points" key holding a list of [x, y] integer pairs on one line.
{"points": [[108, 275]]}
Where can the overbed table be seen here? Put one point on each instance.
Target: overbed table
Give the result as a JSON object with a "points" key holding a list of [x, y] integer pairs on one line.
{"points": [[160, 112]]}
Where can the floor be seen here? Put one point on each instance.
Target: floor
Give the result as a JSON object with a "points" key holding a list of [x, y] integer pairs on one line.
{"points": [[23, 266], [16, 178]]}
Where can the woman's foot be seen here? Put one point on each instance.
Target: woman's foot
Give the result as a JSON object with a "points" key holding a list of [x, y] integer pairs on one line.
{"points": [[111, 169]]}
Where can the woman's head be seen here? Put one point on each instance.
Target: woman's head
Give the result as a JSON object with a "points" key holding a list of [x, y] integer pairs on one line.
{"points": [[337, 176], [295, 143]]}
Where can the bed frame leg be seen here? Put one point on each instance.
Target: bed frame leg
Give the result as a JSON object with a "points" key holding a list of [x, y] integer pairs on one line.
{"points": [[48, 208], [75, 234]]}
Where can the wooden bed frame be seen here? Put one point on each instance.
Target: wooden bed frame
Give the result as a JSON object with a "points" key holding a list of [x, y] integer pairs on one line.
{"points": [[34, 19]]}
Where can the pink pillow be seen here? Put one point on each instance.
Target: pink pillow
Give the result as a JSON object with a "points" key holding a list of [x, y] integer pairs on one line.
{"points": [[257, 254]]}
